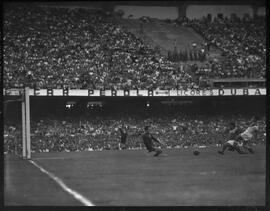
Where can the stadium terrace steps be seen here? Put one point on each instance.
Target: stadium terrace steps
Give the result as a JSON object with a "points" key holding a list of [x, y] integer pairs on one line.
{"points": [[166, 36]]}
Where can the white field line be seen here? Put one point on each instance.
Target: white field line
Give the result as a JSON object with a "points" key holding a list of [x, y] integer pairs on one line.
{"points": [[75, 194]]}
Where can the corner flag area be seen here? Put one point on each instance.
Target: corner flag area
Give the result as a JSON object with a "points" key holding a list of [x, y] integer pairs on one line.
{"points": [[135, 177]]}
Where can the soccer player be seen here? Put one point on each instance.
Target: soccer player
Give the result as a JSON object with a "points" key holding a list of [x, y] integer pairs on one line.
{"points": [[250, 133], [124, 134], [148, 141], [232, 145]]}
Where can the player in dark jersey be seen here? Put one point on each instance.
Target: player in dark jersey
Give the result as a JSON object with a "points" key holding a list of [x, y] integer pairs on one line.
{"points": [[232, 144], [124, 135], [148, 142]]}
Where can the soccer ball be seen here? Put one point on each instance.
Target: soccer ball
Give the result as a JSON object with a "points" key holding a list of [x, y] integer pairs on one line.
{"points": [[196, 152]]}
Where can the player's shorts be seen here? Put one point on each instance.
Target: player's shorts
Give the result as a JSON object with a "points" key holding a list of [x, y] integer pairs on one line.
{"points": [[246, 136], [244, 139], [150, 148], [233, 145], [123, 141], [232, 142], [239, 138]]}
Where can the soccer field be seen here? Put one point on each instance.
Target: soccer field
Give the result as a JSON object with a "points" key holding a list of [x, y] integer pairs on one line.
{"points": [[135, 177]]}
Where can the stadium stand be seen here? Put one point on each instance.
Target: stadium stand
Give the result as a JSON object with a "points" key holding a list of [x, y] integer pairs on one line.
{"points": [[245, 52], [89, 49]]}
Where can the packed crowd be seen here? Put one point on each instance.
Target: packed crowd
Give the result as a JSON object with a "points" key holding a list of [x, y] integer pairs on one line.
{"points": [[102, 132], [82, 48], [79, 48], [242, 41]]}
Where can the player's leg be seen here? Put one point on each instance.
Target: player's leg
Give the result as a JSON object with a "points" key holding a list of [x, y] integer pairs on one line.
{"points": [[123, 145], [245, 143], [237, 148], [248, 147], [231, 148], [225, 146], [149, 148], [158, 152], [251, 150]]}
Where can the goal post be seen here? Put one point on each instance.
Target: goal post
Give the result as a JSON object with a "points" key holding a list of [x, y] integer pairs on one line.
{"points": [[25, 146], [27, 141], [23, 130], [26, 138]]}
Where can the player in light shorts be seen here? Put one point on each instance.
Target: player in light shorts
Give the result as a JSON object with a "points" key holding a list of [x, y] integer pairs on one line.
{"points": [[249, 134], [232, 145]]}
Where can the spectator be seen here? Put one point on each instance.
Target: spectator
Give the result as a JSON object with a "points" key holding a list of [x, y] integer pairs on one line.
{"points": [[79, 133], [82, 48]]}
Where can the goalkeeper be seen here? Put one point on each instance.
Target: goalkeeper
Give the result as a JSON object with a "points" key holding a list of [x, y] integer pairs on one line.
{"points": [[148, 141]]}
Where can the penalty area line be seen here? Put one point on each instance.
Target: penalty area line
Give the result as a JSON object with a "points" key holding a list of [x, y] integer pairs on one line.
{"points": [[75, 194]]}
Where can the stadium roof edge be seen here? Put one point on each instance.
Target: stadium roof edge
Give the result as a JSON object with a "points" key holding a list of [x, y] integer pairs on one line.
{"points": [[147, 3], [180, 2]]}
